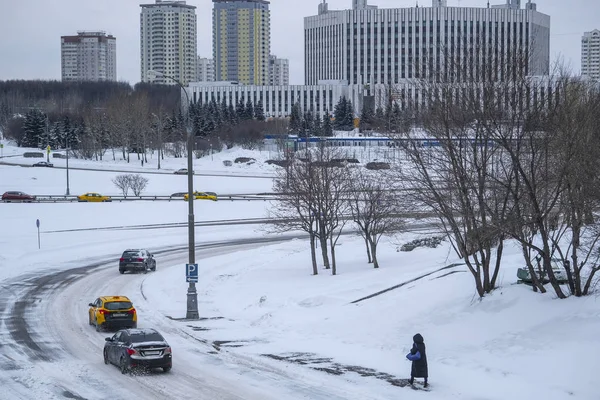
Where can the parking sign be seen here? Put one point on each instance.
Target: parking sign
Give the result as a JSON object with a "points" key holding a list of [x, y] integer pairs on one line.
{"points": [[191, 273]]}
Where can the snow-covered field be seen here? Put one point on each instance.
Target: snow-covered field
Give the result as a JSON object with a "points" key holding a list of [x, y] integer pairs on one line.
{"points": [[271, 330]]}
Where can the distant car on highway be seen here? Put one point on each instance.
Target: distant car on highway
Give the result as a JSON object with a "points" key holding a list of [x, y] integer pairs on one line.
{"points": [[202, 196], [9, 197], [43, 164], [138, 348], [91, 197], [182, 171], [137, 260], [110, 312]]}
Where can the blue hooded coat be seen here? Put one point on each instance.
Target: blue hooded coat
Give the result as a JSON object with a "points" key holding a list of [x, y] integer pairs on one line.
{"points": [[418, 356]]}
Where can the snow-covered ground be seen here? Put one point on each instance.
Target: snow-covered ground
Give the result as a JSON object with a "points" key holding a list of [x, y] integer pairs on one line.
{"points": [[272, 330]]}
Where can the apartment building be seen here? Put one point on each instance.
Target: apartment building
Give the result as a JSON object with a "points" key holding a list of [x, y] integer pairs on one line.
{"points": [[89, 56]]}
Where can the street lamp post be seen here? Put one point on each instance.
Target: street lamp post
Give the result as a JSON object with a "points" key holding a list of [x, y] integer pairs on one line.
{"points": [[192, 294], [68, 193]]}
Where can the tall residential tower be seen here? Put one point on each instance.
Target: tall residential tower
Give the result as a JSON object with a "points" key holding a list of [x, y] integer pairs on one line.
{"points": [[168, 41], [89, 56], [590, 54], [242, 41]]}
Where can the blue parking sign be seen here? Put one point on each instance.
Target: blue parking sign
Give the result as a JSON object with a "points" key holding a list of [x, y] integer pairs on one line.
{"points": [[191, 273]]}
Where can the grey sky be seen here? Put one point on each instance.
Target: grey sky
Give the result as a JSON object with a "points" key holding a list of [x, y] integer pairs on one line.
{"points": [[31, 30]]}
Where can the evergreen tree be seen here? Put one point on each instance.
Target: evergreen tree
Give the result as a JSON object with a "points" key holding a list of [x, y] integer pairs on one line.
{"points": [[344, 115], [259, 111], [308, 124], [349, 115], [249, 110], [326, 127], [209, 120], [379, 118], [396, 118], [240, 110], [56, 136], [317, 126], [34, 129], [295, 126], [225, 117], [233, 117], [367, 116], [215, 111]]}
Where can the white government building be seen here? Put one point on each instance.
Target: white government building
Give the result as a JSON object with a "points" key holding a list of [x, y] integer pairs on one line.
{"points": [[366, 50]]}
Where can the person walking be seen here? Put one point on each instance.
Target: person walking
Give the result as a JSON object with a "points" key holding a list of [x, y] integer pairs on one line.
{"points": [[418, 356]]}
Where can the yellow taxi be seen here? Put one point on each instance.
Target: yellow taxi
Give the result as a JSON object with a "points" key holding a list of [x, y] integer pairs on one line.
{"points": [[93, 198], [202, 196], [112, 312]]}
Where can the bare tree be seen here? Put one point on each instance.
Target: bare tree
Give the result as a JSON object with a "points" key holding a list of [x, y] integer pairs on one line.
{"points": [[296, 206], [122, 182], [374, 210], [137, 183]]}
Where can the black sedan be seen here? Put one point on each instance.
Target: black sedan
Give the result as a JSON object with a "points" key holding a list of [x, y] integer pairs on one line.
{"points": [[43, 164], [137, 260], [138, 348]]}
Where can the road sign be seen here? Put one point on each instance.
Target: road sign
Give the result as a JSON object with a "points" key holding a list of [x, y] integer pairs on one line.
{"points": [[1, 146], [48, 148], [37, 223], [191, 273]]}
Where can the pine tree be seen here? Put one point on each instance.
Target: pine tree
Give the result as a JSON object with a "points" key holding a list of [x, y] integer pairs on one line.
{"points": [[308, 124], [317, 126], [34, 129], [379, 118], [56, 137], [396, 118], [216, 113], [209, 125], [295, 126], [232, 115], [326, 128], [240, 110], [367, 116], [259, 111], [339, 113], [349, 117], [249, 110], [225, 117]]}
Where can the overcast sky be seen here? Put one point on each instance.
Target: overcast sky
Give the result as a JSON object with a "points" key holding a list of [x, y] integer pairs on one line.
{"points": [[31, 30]]}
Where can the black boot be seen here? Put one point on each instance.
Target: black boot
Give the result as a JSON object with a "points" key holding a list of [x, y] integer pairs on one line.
{"points": [[425, 384], [411, 380]]}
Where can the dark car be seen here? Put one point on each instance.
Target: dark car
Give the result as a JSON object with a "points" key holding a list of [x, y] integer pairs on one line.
{"points": [[138, 348], [17, 196], [43, 164], [137, 260]]}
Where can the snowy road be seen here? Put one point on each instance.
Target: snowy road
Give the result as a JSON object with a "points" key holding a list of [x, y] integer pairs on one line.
{"points": [[48, 350]]}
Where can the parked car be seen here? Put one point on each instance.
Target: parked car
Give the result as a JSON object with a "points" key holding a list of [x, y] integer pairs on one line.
{"points": [[9, 197], [138, 348], [137, 260], [43, 164], [91, 197], [559, 272], [109, 312], [202, 196], [182, 171], [178, 194]]}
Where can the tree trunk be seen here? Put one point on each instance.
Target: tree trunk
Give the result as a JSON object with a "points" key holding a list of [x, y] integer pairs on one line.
{"points": [[313, 255], [575, 241], [333, 265], [373, 244], [499, 252], [368, 251], [324, 253], [586, 288]]}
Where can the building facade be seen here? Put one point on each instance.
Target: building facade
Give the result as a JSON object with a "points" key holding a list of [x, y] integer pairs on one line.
{"points": [[168, 42], [367, 45], [277, 100], [279, 71], [590, 54], [205, 70], [242, 41], [89, 56]]}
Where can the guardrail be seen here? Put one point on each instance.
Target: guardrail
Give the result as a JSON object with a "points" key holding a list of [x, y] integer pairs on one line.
{"points": [[226, 197]]}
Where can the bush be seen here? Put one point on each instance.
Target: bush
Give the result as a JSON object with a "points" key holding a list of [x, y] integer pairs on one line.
{"points": [[378, 165], [332, 163], [227, 163], [431, 242], [58, 155], [33, 155], [243, 160]]}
